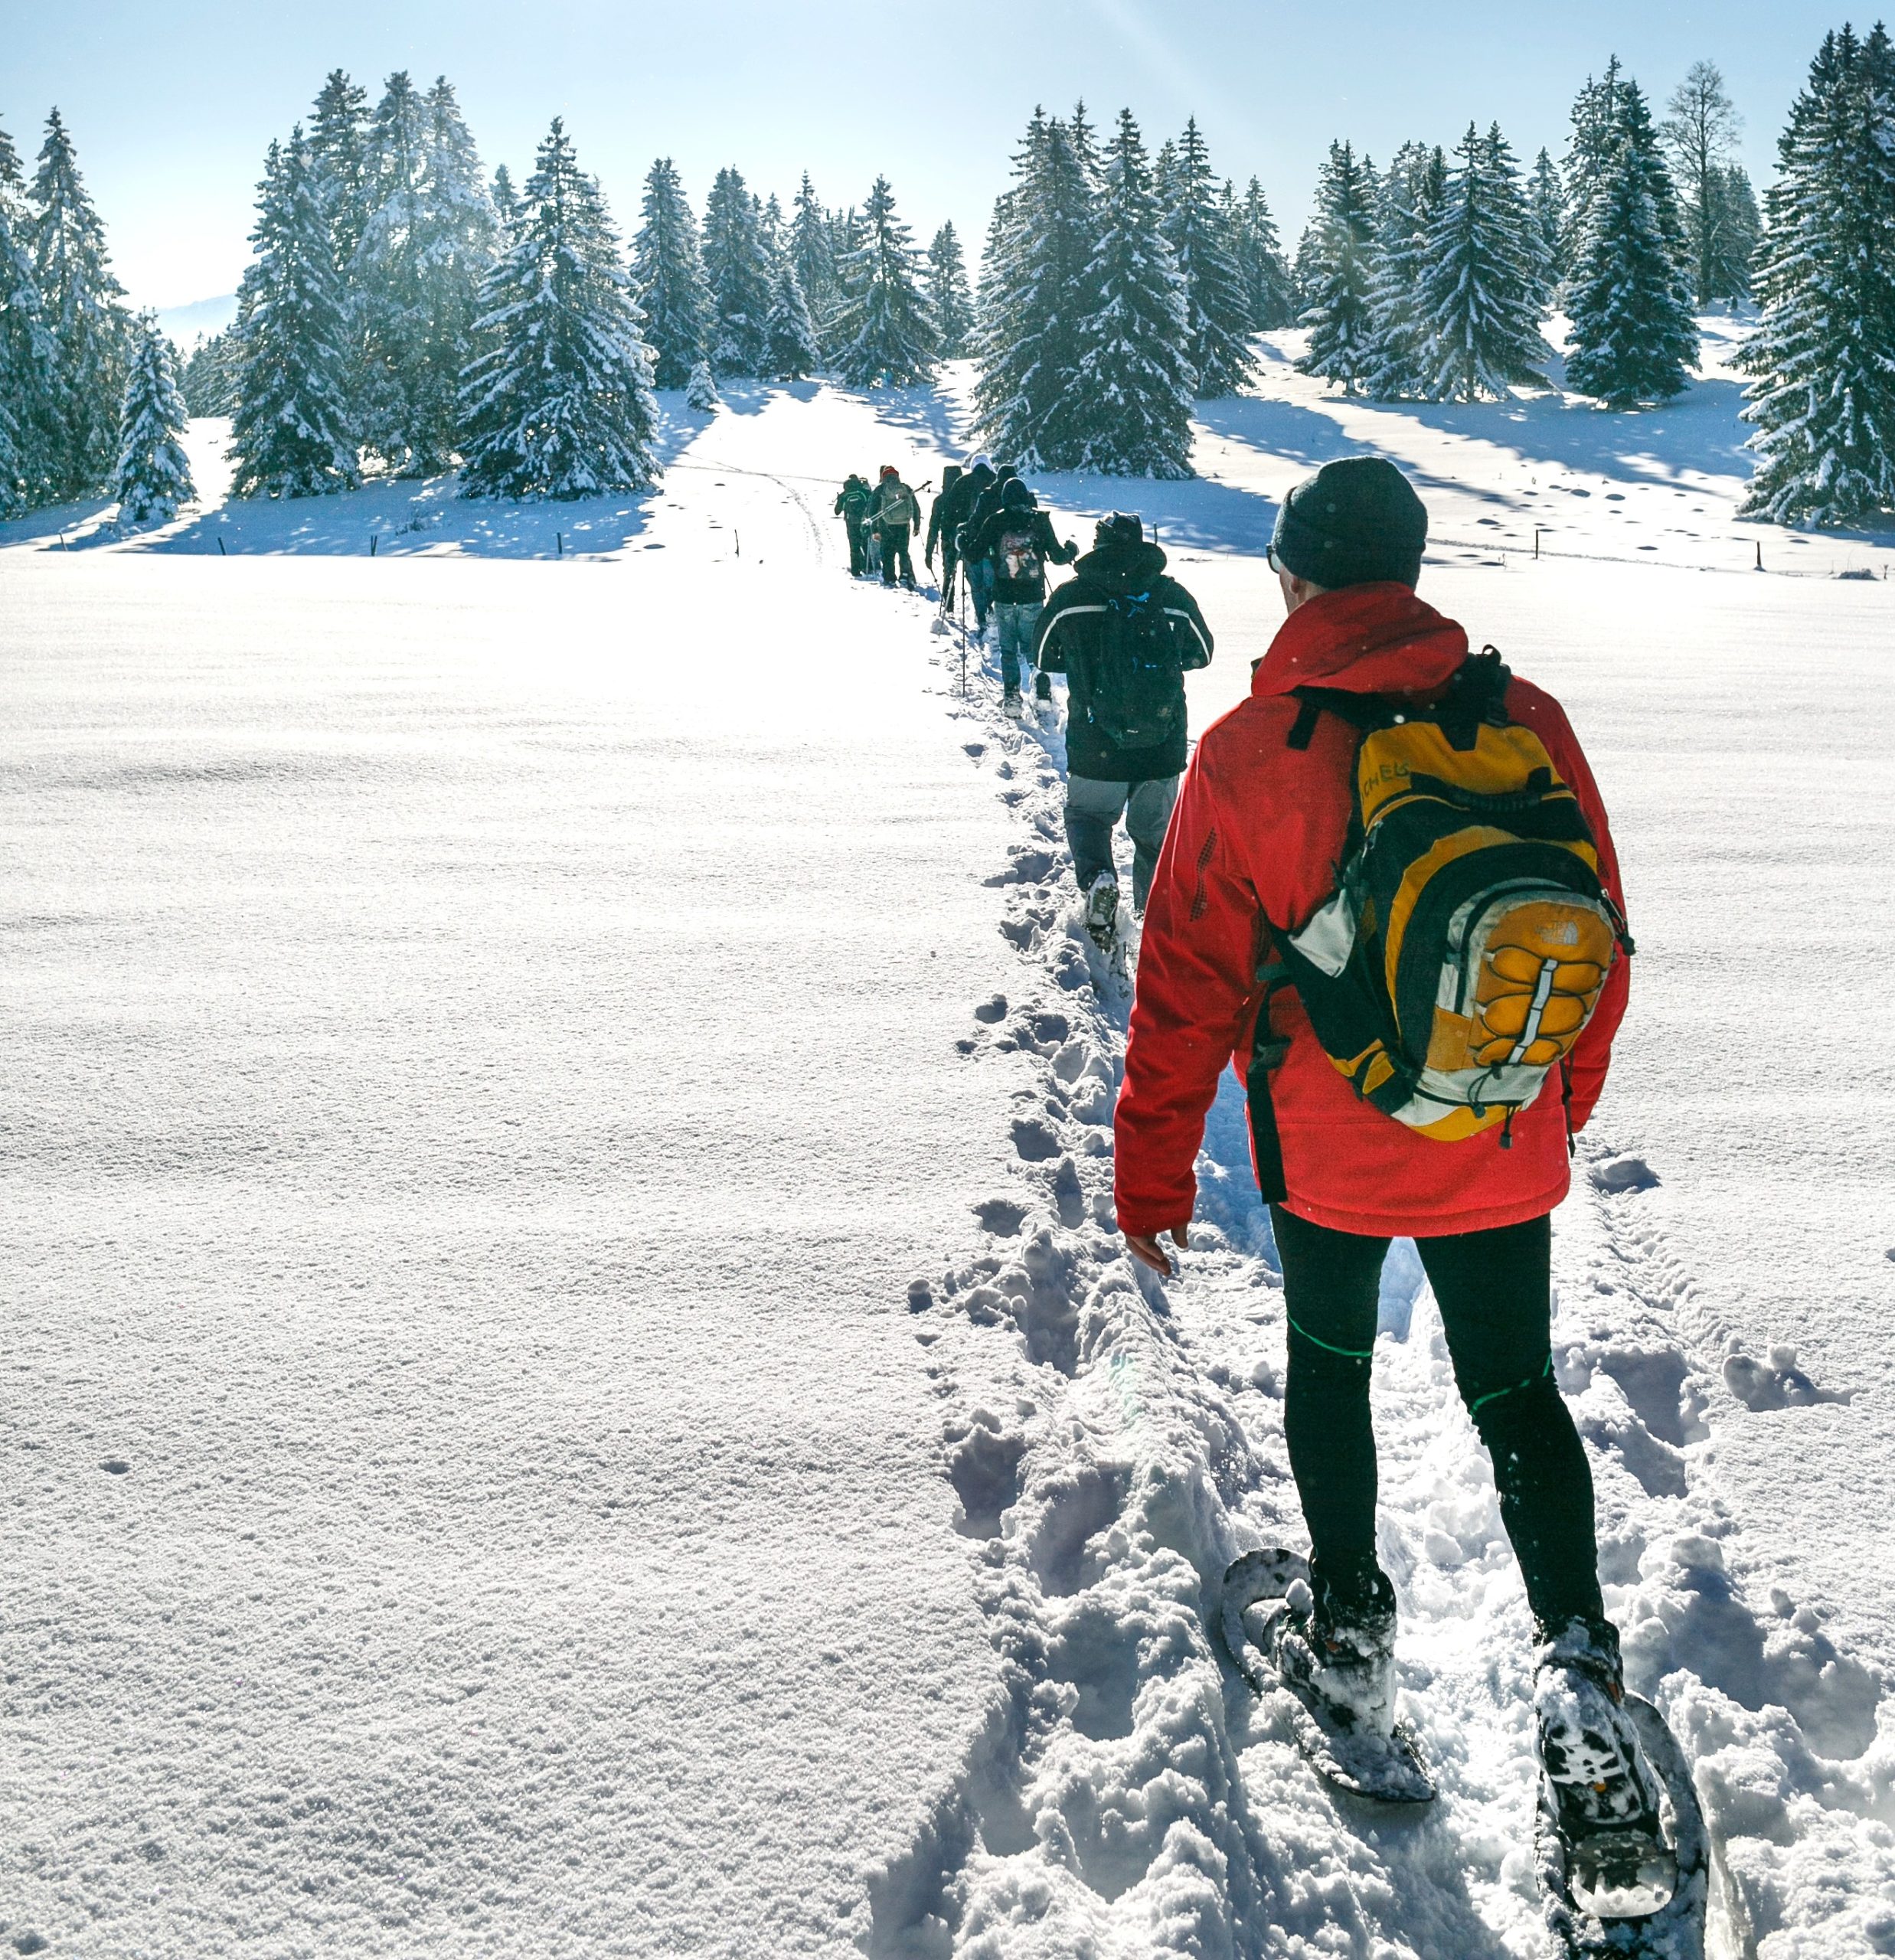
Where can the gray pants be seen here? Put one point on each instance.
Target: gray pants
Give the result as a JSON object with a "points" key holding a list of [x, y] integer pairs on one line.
{"points": [[1014, 623], [1093, 807]]}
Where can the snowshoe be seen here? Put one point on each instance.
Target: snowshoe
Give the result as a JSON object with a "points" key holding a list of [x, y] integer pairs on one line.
{"points": [[1011, 704], [1616, 1879], [1102, 911], [1331, 1675]]}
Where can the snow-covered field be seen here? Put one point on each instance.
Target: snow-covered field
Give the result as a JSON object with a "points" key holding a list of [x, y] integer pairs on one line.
{"points": [[570, 1388]]}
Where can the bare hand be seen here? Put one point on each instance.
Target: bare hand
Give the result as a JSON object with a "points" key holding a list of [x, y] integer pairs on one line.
{"points": [[1149, 1252]]}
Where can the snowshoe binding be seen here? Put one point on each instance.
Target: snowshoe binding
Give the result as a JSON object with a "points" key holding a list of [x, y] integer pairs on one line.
{"points": [[1330, 1664], [1616, 1880]]}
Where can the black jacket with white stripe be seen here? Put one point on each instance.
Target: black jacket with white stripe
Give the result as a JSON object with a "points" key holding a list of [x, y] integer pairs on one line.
{"points": [[1073, 620]]}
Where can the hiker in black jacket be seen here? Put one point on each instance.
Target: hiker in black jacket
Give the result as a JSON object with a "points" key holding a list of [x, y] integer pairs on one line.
{"points": [[951, 510], [980, 581], [1124, 636], [852, 505], [1016, 542]]}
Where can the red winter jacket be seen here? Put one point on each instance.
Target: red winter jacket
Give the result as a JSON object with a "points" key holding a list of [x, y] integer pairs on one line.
{"points": [[1259, 832]]}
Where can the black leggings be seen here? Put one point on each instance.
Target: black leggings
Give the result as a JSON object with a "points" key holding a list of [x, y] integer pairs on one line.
{"points": [[1493, 1289]]}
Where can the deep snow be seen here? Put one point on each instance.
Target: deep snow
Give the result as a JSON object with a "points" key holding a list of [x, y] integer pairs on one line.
{"points": [[521, 1105]]}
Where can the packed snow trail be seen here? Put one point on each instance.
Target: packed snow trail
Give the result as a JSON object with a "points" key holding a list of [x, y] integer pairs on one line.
{"points": [[480, 1079]]}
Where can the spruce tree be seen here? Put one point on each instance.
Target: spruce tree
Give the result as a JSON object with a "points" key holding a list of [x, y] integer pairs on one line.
{"points": [[505, 200], [211, 371], [1395, 365], [1738, 232], [949, 292], [385, 275], [1822, 394], [291, 435], [1595, 120], [668, 275], [738, 273], [791, 349], [812, 248], [1481, 297], [1134, 376], [701, 391], [1036, 288], [153, 476], [885, 332], [338, 155], [559, 404], [1266, 278], [28, 421], [1547, 200], [1338, 310], [459, 238], [1205, 253], [1629, 296], [81, 307]]}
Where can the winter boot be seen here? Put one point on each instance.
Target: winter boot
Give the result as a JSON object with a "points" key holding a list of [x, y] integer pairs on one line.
{"points": [[1042, 686], [1604, 1795], [1101, 910], [1337, 1650], [1010, 703]]}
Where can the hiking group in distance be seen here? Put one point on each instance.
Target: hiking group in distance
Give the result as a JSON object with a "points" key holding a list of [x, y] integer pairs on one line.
{"points": [[1384, 888]]}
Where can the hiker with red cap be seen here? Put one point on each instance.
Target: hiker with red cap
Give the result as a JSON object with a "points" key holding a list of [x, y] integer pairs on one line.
{"points": [[1389, 895], [896, 512]]}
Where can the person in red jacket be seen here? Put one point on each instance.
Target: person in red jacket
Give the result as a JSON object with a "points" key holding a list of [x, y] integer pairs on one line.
{"points": [[1259, 831]]}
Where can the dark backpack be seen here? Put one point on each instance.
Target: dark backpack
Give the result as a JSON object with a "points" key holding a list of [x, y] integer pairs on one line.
{"points": [[1133, 684], [1017, 555]]}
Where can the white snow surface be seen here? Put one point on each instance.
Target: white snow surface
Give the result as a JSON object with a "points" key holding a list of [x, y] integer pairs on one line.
{"points": [[570, 1387]]}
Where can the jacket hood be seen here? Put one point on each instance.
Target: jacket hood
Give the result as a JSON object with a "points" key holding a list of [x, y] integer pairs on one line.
{"points": [[1017, 497], [1125, 567], [982, 473], [1364, 639]]}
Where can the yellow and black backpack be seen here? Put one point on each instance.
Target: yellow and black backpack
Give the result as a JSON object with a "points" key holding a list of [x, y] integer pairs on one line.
{"points": [[1469, 936]]}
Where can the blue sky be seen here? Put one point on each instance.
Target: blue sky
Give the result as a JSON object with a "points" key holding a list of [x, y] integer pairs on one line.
{"points": [[171, 105]]}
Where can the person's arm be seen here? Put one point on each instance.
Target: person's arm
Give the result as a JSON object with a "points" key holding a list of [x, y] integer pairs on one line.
{"points": [[1591, 1059], [1190, 632], [1196, 990]]}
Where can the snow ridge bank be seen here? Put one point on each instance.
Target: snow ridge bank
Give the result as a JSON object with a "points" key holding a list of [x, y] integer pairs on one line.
{"points": [[1112, 1443]]}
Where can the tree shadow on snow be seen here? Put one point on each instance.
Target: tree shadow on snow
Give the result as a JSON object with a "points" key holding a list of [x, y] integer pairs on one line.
{"points": [[77, 524], [1218, 517], [920, 411]]}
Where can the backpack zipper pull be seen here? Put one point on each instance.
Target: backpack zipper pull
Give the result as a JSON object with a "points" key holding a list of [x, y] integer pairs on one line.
{"points": [[1507, 1128]]}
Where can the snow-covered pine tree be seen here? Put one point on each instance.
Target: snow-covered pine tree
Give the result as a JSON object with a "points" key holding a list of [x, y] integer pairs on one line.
{"points": [[949, 292], [505, 200], [1480, 298], [559, 404], [737, 270], [153, 476], [1134, 377], [791, 348], [386, 279], [27, 397], [1547, 200], [82, 308], [1633, 338], [1305, 270], [1595, 120], [1340, 237], [1266, 279], [1395, 364], [1822, 394], [701, 391], [1739, 231], [668, 275], [338, 156], [812, 247], [459, 238], [1205, 253], [1699, 132], [209, 381], [291, 435], [885, 332], [1035, 290]]}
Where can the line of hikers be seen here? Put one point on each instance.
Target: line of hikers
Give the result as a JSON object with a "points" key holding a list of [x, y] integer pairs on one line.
{"points": [[1387, 892]]}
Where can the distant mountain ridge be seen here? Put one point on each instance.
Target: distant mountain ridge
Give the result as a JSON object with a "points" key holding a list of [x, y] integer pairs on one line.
{"points": [[200, 316]]}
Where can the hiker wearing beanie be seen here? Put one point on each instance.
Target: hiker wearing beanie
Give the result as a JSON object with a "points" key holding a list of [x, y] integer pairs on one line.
{"points": [[1389, 894], [852, 503], [1125, 635], [980, 571], [950, 510], [1016, 542], [896, 513]]}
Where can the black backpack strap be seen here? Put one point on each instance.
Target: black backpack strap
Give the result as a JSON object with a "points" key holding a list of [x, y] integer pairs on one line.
{"points": [[1267, 1051], [1359, 710], [1478, 693]]}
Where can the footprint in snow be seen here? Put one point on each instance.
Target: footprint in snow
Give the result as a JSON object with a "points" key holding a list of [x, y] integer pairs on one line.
{"points": [[1777, 1383], [1624, 1174]]}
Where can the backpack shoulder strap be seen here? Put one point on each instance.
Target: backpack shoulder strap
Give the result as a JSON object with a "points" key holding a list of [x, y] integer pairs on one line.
{"points": [[1478, 693], [1360, 712]]}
